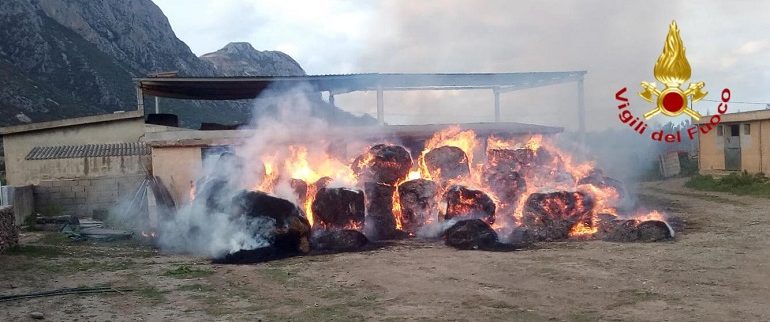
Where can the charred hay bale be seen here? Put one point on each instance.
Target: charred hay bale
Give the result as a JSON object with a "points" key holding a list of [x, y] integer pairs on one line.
{"points": [[638, 231], [338, 207], [383, 163], [380, 221], [338, 240], [550, 216], [513, 159], [419, 204], [253, 256], [465, 203], [292, 230], [471, 234], [506, 183], [447, 163]]}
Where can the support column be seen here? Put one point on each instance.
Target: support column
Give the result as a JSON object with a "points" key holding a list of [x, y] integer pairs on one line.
{"points": [[139, 98], [581, 113], [380, 107], [496, 91], [157, 109]]}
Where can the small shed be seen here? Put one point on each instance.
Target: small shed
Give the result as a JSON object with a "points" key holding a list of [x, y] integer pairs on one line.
{"points": [[739, 143]]}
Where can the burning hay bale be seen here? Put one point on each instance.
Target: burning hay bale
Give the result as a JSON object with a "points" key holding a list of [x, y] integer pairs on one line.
{"points": [[380, 221], [636, 230], [551, 216], [338, 240], [597, 179], [383, 163], [513, 159], [339, 207], [419, 203], [471, 234], [465, 203], [446, 163], [506, 183]]}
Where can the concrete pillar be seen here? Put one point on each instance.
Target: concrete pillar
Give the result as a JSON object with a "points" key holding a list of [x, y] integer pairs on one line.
{"points": [[139, 98], [496, 91], [581, 112], [157, 109], [380, 106]]}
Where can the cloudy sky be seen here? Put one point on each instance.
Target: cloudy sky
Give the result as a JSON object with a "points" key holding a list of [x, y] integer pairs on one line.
{"points": [[617, 42]]}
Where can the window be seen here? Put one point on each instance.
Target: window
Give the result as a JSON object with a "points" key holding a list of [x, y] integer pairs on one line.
{"points": [[747, 129], [735, 130], [720, 130]]}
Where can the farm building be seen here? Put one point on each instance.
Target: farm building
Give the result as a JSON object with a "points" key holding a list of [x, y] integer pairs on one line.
{"points": [[739, 143]]}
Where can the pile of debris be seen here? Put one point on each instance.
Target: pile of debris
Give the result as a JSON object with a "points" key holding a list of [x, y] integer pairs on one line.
{"points": [[9, 233]]}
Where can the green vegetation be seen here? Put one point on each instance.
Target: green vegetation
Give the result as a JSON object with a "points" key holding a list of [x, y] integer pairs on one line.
{"points": [[185, 271], [36, 251], [741, 184]]}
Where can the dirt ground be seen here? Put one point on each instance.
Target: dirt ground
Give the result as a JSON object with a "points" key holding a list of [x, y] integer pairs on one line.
{"points": [[717, 270]]}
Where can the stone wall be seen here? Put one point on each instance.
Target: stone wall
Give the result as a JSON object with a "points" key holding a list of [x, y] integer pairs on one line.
{"points": [[9, 235], [21, 199], [81, 197]]}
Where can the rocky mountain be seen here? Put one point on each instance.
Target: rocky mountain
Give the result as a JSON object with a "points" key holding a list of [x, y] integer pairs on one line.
{"points": [[69, 58], [241, 59]]}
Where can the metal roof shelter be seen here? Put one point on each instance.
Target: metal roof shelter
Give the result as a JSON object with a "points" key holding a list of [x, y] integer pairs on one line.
{"points": [[232, 88]]}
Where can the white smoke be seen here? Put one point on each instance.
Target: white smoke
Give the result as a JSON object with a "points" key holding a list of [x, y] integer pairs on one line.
{"points": [[201, 229]]}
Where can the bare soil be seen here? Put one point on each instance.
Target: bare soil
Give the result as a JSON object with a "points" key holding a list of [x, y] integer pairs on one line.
{"points": [[717, 270]]}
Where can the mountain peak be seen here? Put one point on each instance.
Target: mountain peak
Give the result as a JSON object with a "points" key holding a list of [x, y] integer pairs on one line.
{"points": [[241, 59]]}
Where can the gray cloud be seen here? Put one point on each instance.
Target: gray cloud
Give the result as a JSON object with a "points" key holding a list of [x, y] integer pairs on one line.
{"points": [[617, 42]]}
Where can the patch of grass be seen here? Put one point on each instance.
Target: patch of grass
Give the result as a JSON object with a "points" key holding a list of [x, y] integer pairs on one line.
{"points": [[740, 184], [185, 272], [36, 251]]}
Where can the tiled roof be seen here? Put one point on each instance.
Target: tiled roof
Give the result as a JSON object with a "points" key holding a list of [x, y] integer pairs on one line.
{"points": [[88, 150]]}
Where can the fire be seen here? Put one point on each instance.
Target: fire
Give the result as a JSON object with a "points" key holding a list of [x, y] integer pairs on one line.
{"points": [[302, 163], [399, 217], [527, 164], [582, 230], [652, 215]]}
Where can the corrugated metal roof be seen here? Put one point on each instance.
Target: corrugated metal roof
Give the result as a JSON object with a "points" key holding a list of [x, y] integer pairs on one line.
{"points": [[231, 88], [87, 150]]}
